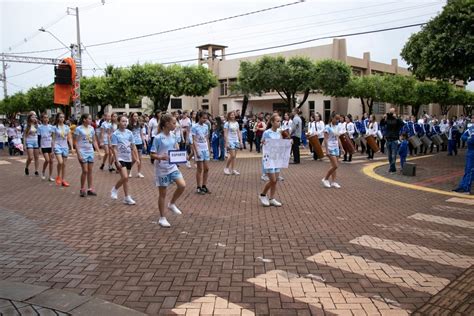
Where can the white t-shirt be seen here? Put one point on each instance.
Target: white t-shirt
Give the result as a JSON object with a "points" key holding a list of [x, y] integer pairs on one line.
{"points": [[2, 130], [153, 126], [333, 142], [320, 129], [232, 131], [123, 140]]}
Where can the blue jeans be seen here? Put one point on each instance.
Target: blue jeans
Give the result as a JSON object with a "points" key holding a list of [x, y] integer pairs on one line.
{"points": [[222, 148], [392, 150], [466, 181], [215, 148], [403, 159], [452, 147]]}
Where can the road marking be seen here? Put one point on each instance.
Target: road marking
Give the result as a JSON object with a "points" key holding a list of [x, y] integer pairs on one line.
{"points": [[320, 295], [465, 200], [414, 251], [4, 162], [369, 171], [381, 271], [426, 232], [442, 220], [211, 304], [21, 160]]}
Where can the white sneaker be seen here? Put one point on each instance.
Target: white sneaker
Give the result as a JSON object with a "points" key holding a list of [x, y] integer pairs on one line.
{"points": [[140, 175], [264, 200], [264, 178], [164, 222], [128, 200], [51, 179], [326, 183], [130, 174], [236, 173], [227, 171], [188, 164], [174, 209], [335, 185], [275, 203], [43, 177], [280, 178], [114, 193]]}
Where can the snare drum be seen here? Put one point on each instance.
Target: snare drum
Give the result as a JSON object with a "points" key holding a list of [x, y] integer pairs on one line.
{"points": [[415, 141], [437, 140], [444, 137], [426, 141]]}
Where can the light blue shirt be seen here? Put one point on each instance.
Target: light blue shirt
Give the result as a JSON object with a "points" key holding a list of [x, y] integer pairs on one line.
{"points": [[123, 140], [137, 135], [85, 138], [270, 134], [46, 133], [201, 133], [61, 136], [161, 145]]}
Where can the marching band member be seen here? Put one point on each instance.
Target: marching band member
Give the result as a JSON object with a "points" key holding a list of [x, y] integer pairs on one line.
{"points": [[466, 181], [434, 130], [350, 130], [452, 136], [360, 130], [312, 130], [372, 129]]}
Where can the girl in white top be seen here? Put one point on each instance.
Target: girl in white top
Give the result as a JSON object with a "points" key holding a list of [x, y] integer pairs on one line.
{"points": [[233, 141], [372, 129], [350, 130], [125, 151], [30, 139], [113, 128], [61, 142], [46, 131], [319, 128], [333, 146], [189, 139], [104, 140], [286, 123], [272, 133], [166, 173]]}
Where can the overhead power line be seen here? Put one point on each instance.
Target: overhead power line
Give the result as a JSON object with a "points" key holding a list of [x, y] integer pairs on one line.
{"points": [[196, 25]]}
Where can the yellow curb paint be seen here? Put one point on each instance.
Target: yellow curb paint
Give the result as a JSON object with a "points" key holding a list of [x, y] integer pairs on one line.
{"points": [[369, 171]]}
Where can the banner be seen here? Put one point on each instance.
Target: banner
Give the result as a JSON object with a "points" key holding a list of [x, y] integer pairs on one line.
{"points": [[276, 153]]}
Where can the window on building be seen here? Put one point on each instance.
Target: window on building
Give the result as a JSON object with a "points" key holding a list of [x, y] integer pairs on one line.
{"points": [[327, 110], [205, 107], [357, 72], [205, 100], [176, 104], [224, 87], [224, 108], [379, 108], [281, 107], [311, 105]]}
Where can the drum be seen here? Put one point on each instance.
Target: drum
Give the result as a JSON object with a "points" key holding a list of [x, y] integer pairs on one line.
{"points": [[444, 137], [426, 141], [314, 141], [415, 141], [347, 143], [372, 143], [437, 140]]}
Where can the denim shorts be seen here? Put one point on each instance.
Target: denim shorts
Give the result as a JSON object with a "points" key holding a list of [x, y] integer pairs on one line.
{"points": [[233, 145], [334, 152], [87, 157], [32, 144], [167, 180], [61, 151], [203, 156], [271, 170]]}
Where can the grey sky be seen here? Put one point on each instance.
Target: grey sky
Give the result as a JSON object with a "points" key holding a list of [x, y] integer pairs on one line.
{"points": [[120, 19]]}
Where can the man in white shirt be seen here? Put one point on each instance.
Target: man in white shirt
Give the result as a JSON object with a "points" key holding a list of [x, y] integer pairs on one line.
{"points": [[153, 129]]}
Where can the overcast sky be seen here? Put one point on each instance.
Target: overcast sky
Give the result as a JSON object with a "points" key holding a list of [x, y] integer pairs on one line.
{"points": [[119, 19]]}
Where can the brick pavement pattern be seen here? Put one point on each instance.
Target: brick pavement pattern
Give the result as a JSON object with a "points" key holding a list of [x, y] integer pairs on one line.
{"points": [[353, 251]]}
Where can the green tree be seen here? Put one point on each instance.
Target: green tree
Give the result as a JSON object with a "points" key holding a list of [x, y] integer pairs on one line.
{"points": [[40, 98], [245, 84], [399, 90], [95, 91], [14, 104], [331, 76], [118, 91], [444, 48]]}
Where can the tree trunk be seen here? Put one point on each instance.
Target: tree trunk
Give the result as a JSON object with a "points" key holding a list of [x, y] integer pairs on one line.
{"points": [[245, 104], [370, 105], [445, 108], [362, 102], [305, 97], [415, 109], [467, 110], [161, 103]]}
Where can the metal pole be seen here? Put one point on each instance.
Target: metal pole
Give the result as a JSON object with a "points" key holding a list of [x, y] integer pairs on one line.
{"points": [[77, 88], [4, 78]]}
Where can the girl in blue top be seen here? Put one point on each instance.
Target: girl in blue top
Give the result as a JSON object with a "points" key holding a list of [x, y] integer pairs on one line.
{"points": [[46, 131], [85, 144], [104, 140], [166, 173], [31, 142], [200, 134], [124, 150], [138, 140], [61, 143], [272, 174]]}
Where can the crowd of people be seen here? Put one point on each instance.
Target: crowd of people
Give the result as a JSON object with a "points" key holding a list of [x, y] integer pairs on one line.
{"points": [[123, 139]]}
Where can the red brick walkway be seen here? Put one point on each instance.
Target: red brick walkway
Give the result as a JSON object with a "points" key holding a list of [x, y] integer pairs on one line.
{"points": [[369, 248]]}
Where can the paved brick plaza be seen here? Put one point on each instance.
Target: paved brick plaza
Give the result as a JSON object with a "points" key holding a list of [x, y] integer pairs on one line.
{"points": [[369, 248]]}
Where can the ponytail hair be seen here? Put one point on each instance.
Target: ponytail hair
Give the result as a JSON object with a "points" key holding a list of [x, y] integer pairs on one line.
{"points": [[165, 118], [83, 117]]}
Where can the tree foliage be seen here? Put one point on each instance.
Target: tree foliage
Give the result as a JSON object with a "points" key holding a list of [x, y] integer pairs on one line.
{"points": [[444, 48]]}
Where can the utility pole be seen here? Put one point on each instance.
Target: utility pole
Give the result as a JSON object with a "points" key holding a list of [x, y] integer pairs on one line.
{"points": [[76, 55], [4, 77]]}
